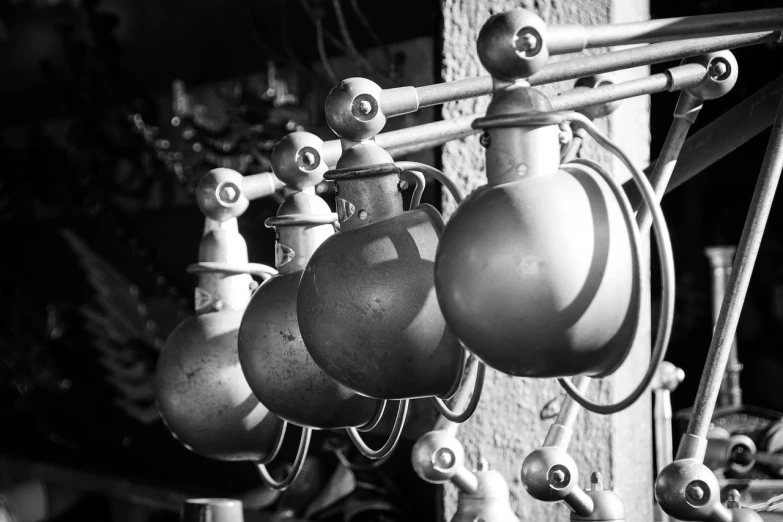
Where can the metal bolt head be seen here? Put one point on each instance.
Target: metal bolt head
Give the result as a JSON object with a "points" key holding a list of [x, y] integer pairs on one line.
{"points": [[365, 107], [526, 42], [485, 139], [443, 459], [694, 492], [719, 69], [308, 158], [558, 477], [228, 193]]}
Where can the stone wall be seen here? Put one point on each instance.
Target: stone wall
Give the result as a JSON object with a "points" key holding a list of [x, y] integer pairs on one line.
{"points": [[508, 424]]}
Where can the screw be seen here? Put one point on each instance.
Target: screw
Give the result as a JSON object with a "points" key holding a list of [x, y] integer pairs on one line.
{"points": [[228, 193], [597, 481], [694, 492], [719, 70], [558, 477], [526, 42], [444, 458], [485, 139], [308, 158], [402, 185], [733, 500], [365, 107]]}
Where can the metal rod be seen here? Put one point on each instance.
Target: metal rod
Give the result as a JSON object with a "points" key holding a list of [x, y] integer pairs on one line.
{"points": [[646, 55], [574, 38], [744, 261], [727, 132], [589, 65], [559, 433], [685, 114], [437, 133]]}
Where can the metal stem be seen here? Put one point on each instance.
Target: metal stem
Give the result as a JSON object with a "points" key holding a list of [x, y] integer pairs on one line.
{"points": [[560, 431], [664, 447], [564, 39], [685, 114], [727, 132], [744, 261], [584, 66]]}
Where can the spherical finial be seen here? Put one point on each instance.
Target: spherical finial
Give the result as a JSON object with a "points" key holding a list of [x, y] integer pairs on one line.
{"points": [[437, 456], [591, 82], [219, 195], [353, 109], [512, 45], [297, 160], [549, 474], [722, 72], [668, 377]]}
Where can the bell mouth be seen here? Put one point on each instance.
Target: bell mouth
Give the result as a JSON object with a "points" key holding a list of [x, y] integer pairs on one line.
{"points": [[519, 119], [379, 169]]}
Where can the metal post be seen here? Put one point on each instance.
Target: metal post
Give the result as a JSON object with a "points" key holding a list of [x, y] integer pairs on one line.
{"points": [[562, 39], [721, 258]]}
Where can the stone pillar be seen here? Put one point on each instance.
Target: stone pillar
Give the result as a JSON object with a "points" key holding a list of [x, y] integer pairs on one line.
{"points": [[508, 424]]}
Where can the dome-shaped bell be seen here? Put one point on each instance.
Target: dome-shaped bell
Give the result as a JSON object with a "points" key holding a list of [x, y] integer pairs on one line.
{"points": [[275, 361], [366, 306], [201, 392], [534, 272]]}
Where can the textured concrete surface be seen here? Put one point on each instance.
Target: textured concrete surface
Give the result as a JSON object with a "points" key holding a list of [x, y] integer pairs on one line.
{"points": [[508, 424]]}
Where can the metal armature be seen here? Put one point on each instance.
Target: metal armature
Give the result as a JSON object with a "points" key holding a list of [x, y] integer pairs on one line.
{"points": [[360, 288]]}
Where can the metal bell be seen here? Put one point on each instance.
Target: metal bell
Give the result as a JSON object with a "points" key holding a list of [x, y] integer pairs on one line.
{"points": [[488, 502], [534, 271], [201, 392], [274, 359], [367, 308]]}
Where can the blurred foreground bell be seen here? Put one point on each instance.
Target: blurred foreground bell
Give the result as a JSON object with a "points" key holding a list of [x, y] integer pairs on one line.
{"points": [[366, 306], [201, 392], [534, 271]]}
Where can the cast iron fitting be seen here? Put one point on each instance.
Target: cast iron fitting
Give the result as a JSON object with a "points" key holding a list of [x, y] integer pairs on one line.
{"points": [[521, 135], [353, 109], [487, 501], [303, 222], [549, 474], [300, 159], [219, 195], [366, 195], [686, 489], [513, 45], [607, 506], [437, 457]]}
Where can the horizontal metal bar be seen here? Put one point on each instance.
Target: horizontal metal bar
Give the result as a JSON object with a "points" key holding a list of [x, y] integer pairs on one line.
{"points": [[584, 66], [429, 135], [574, 38], [639, 56]]}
